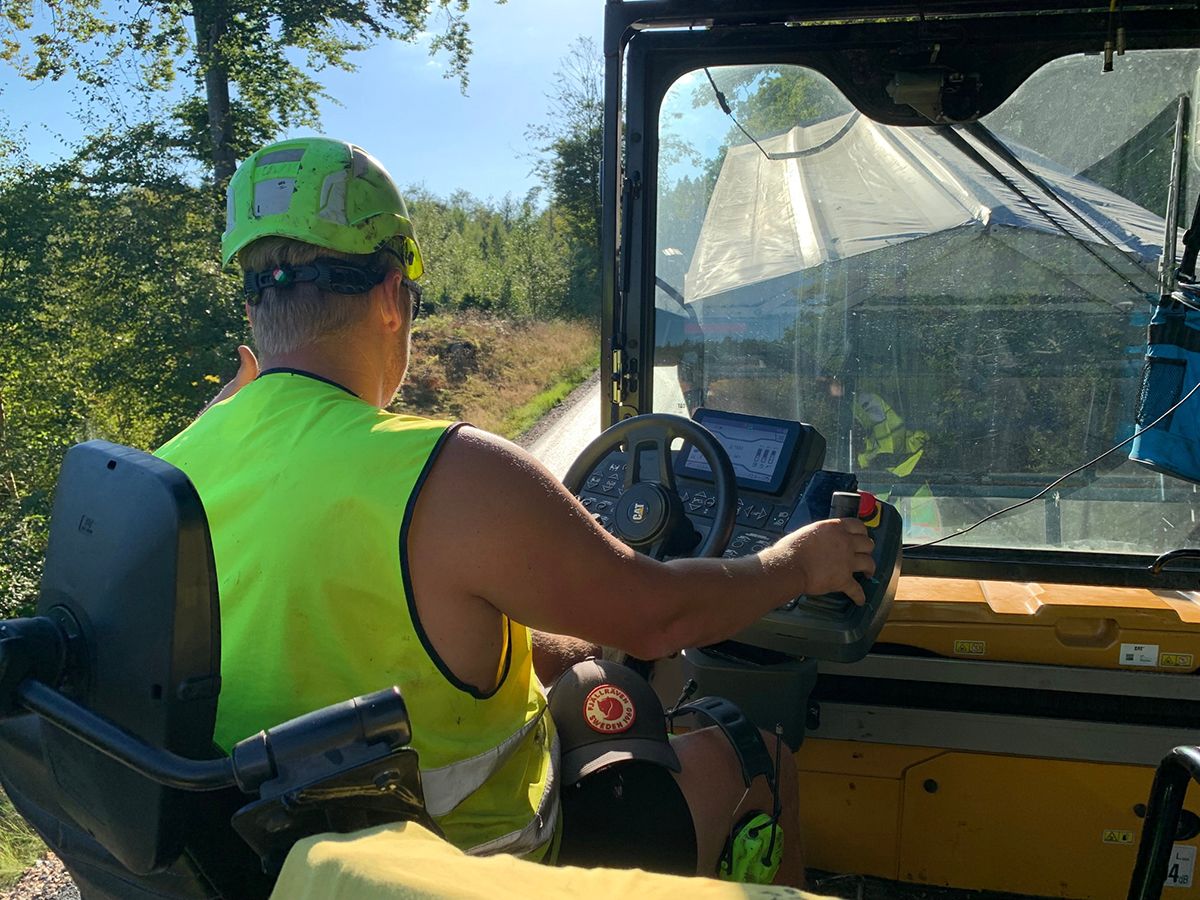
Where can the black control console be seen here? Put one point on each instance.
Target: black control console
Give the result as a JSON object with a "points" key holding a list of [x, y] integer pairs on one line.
{"points": [[780, 487]]}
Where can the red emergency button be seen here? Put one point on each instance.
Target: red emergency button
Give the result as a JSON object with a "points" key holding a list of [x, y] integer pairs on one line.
{"points": [[868, 509]]}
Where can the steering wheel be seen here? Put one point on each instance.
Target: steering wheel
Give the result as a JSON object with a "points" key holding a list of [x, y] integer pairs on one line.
{"points": [[649, 514]]}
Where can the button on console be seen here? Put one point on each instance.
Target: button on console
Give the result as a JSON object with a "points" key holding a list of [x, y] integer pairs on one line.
{"points": [[779, 518]]}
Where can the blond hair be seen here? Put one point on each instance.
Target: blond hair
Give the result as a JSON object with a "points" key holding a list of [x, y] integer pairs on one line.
{"points": [[286, 319]]}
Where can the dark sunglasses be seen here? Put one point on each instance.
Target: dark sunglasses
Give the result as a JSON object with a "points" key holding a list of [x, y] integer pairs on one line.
{"points": [[414, 291]]}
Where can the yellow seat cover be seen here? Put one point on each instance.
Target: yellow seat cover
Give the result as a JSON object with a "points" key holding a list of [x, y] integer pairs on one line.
{"points": [[404, 861]]}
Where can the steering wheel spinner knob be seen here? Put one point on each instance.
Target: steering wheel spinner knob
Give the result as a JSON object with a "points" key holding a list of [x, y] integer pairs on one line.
{"points": [[641, 515]]}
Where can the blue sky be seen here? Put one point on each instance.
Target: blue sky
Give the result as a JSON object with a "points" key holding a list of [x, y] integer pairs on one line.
{"points": [[400, 108]]}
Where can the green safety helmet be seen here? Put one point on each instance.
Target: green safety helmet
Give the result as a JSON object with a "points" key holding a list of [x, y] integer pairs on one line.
{"points": [[323, 192]]}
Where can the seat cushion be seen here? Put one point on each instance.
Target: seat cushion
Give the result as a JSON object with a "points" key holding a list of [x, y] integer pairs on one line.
{"points": [[406, 862]]}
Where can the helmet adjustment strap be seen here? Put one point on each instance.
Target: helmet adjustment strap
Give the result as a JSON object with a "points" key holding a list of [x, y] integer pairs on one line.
{"points": [[334, 275]]}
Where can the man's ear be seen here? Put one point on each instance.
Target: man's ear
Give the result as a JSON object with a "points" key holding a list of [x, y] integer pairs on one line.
{"points": [[389, 303]]}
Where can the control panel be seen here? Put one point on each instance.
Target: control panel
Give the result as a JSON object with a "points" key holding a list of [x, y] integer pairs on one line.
{"points": [[781, 487]]}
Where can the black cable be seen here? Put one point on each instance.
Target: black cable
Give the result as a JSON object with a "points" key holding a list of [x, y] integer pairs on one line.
{"points": [[689, 688], [778, 803], [851, 120], [1044, 491], [729, 112]]}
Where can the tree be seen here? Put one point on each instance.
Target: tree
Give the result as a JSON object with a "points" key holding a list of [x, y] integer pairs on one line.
{"points": [[239, 56], [115, 320], [570, 144], [769, 100]]}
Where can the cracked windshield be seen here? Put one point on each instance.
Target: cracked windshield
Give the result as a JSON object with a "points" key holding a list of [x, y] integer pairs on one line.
{"points": [[961, 312]]}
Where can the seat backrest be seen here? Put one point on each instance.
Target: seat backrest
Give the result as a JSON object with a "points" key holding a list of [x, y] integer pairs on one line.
{"points": [[129, 615], [129, 576], [130, 564]]}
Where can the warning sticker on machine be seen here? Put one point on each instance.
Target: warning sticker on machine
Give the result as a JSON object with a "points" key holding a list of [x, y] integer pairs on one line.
{"points": [[1117, 836], [1139, 655], [1176, 660], [1181, 866], [971, 648]]}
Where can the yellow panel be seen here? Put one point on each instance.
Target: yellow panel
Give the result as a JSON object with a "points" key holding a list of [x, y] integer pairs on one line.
{"points": [[858, 758], [1055, 624], [1029, 598], [1027, 826], [850, 803], [850, 824]]}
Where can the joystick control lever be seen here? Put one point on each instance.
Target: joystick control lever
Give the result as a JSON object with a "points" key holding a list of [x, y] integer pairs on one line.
{"points": [[856, 505], [831, 626]]}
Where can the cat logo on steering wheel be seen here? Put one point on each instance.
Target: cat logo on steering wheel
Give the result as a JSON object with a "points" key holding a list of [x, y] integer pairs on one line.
{"points": [[638, 513]]}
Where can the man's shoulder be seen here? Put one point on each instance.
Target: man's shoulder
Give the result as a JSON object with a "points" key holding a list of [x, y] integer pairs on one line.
{"points": [[472, 458], [386, 420]]}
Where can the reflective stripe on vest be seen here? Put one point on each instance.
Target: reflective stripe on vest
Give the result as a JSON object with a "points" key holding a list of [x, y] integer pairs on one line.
{"points": [[448, 786], [541, 827]]}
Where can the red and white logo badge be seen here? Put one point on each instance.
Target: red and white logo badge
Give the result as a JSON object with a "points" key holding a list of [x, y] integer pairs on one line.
{"points": [[609, 710]]}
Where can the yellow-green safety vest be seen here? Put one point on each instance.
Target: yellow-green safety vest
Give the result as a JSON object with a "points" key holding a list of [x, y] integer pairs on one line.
{"points": [[309, 492], [886, 434]]}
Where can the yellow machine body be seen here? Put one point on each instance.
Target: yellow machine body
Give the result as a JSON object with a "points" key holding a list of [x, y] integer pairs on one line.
{"points": [[999, 821], [1052, 624]]}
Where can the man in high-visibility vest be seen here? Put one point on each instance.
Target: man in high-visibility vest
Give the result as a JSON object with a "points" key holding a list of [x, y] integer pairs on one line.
{"points": [[356, 548], [886, 438]]}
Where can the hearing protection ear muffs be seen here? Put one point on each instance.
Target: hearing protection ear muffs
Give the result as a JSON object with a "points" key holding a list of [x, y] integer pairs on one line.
{"points": [[753, 852], [754, 849]]}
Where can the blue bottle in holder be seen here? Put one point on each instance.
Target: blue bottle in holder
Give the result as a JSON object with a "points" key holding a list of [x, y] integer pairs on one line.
{"points": [[1172, 369]]}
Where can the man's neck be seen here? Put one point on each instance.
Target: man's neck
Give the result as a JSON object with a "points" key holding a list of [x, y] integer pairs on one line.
{"points": [[352, 370]]}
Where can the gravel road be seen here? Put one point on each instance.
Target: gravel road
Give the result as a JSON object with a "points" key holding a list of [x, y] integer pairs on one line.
{"points": [[45, 880], [559, 436]]}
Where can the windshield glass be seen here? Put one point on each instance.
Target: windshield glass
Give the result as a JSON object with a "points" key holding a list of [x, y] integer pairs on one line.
{"points": [[961, 312]]}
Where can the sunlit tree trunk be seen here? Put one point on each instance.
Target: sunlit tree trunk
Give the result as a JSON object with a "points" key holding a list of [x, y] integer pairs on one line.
{"points": [[211, 22]]}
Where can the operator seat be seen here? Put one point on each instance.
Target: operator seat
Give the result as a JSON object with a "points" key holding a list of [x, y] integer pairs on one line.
{"points": [[108, 700]]}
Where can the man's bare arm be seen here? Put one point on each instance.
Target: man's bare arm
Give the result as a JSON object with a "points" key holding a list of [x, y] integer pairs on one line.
{"points": [[247, 371], [553, 654], [492, 523]]}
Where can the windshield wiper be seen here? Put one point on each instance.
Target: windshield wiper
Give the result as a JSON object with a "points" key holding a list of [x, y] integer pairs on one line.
{"points": [[1004, 153], [723, 102], [988, 138]]}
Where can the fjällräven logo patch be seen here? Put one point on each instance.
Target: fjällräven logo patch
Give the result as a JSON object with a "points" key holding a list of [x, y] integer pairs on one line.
{"points": [[608, 710]]}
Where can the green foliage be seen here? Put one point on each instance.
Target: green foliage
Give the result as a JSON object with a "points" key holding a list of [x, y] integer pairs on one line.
{"points": [[19, 846], [248, 64], [115, 321], [570, 144], [88, 39], [509, 258]]}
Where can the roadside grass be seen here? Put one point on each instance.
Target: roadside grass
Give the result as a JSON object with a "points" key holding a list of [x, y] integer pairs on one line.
{"points": [[20, 848], [522, 419], [497, 374]]}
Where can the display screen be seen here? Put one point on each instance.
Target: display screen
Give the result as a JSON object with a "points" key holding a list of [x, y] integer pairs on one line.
{"points": [[758, 448]]}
